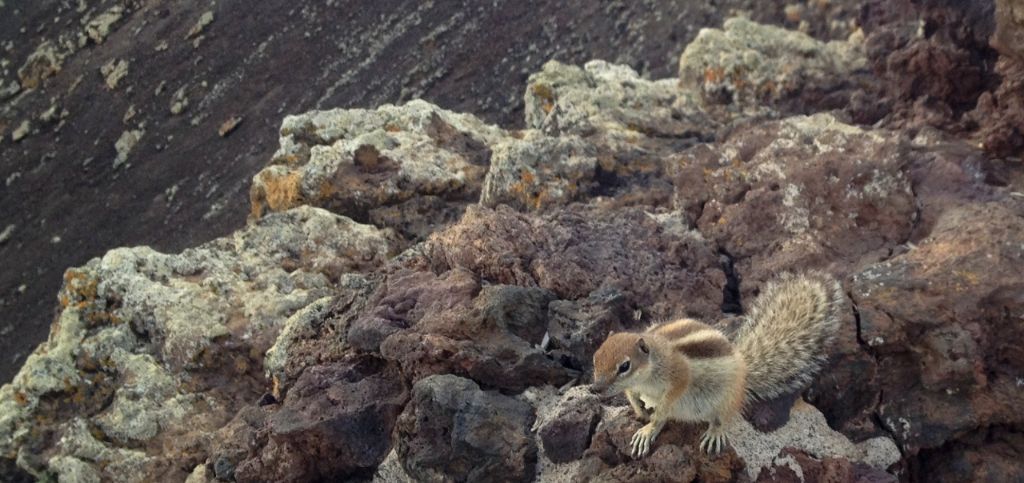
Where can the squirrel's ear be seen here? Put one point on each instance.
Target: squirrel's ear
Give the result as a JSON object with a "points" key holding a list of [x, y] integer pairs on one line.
{"points": [[642, 344], [610, 332]]}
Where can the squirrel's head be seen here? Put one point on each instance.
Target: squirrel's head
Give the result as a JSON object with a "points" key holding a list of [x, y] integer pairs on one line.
{"points": [[621, 360]]}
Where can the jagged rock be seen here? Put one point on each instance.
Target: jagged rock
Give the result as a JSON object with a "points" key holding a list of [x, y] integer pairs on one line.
{"points": [[301, 325], [321, 335], [608, 98], [580, 250], [750, 67], [99, 27], [306, 347], [566, 430], [538, 172], [442, 324], [936, 65], [1000, 114], [154, 351], [629, 121], [579, 326], [9, 89], [453, 430], [674, 457], [751, 450], [989, 453], [808, 432], [335, 423], [113, 72], [799, 193], [204, 20], [359, 162], [945, 310], [1009, 35], [22, 131], [125, 144]]}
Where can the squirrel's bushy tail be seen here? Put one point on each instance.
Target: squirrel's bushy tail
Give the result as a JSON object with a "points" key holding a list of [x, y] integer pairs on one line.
{"points": [[788, 332]]}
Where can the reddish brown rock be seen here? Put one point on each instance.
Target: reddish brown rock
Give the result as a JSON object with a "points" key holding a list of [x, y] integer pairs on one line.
{"points": [[450, 324], [990, 454], [675, 457], [661, 266], [335, 423], [1000, 112], [579, 326], [1008, 37], [941, 318], [801, 193]]}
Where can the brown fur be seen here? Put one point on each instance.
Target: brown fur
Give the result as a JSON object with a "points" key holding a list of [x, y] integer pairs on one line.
{"points": [[705, 348], [678, 329]]}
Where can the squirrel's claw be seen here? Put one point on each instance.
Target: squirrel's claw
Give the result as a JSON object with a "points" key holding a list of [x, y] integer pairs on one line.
{"points": [[642, 439], [714, 441]]}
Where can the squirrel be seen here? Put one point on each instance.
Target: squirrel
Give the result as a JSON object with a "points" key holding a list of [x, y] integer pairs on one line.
{"points": [[686, 370]]}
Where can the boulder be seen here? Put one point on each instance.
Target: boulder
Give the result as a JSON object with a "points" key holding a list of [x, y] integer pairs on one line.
{"points": [[452, 430], [335, 423], [151, 353]]}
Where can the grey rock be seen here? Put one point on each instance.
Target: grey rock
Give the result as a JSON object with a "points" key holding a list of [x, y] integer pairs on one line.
{"points": [[538, 172], [750, 67], [152, 348], [353, 161], [565, 431], [453, 430], [607, 98]]}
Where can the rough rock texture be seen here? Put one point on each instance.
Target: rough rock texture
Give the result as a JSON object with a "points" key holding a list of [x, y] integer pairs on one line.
{"points": [[794, 466], [417, 294], [336, 422], [566, 430], [849, 198], [451, 430], [379, 165], [750, 67], [197, 66], [152, 353], [539, 172]]}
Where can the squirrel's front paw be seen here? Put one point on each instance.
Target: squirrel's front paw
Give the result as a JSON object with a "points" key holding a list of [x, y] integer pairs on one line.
{"points": [[642, 440], [714, 440]]}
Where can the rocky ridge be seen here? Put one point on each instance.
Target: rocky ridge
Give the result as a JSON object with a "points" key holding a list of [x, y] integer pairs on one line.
{"points": [[418, 293]]}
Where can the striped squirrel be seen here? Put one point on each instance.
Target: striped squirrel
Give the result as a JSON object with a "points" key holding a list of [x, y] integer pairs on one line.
{"points": [[689, 371]]}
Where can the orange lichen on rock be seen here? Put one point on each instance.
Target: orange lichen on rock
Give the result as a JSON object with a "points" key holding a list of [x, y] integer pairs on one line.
{"points": [[275, 192], [714, 74], [546, 95], [79, 289]]}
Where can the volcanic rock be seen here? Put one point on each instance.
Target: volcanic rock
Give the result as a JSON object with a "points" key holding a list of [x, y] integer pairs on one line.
{"points": [[453, 430]]}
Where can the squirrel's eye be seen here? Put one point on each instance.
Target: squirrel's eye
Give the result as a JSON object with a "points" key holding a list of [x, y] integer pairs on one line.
{"points": [[623, 367]]}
